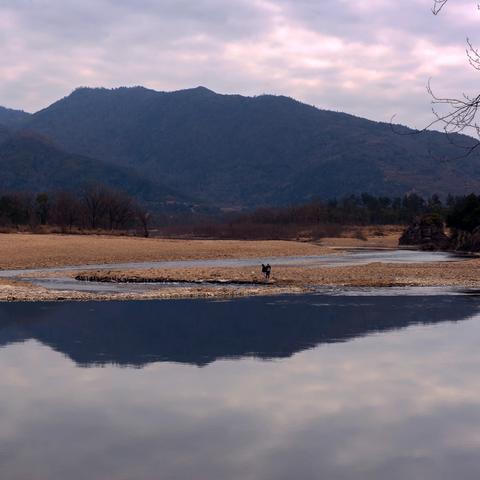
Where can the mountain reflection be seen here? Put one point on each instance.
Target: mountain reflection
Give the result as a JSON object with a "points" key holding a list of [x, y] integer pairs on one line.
{"points": [[199, 332]]}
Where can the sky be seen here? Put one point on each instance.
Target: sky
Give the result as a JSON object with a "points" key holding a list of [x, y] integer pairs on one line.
{"points": [[371, 58]]}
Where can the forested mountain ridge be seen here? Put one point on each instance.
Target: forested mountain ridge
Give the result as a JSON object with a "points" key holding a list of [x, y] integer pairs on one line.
{"points": [[31, 163], [9, 117], [250, 151]]}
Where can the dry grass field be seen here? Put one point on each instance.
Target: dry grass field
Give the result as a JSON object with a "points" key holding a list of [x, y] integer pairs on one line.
{"points": [[29, 251], [22, 250], [461, 273]]}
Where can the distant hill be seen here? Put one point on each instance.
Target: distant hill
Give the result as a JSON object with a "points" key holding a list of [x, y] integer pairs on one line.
{"points": [[235, 150], [10, 118], [30, 163]]}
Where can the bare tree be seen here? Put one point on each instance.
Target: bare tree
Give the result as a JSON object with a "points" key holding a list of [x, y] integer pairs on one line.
{"points": [[97, 207], [119, 209], [66, 210], [94, 200], [143, 217], [42, 203], [16, 209], [457, 115]]}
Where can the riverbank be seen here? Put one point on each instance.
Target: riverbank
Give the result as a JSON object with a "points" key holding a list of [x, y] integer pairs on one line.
{"points": [[465, 273], [12, 291], [230, 282], [20, 251], [208, 281], [23, 250]]}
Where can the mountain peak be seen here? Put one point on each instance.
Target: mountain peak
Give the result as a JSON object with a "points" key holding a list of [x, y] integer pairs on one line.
{"points": [[249, 151], [80, 92], [102, 90], [197, 91], [202, 89]]}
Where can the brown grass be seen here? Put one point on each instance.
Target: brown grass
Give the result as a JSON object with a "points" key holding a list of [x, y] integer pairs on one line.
{"points": [[24, 250], [463, 274], [370, 237], [29, 251]]}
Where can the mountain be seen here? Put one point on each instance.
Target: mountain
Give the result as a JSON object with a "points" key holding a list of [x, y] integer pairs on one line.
{"points": [[29, 162], [250, 151], [12, 118]]}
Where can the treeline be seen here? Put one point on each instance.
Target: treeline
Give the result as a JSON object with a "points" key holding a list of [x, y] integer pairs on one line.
{"points": [[96, 208], [319, 218], [364, 209], [464, 214], [99, 208]]}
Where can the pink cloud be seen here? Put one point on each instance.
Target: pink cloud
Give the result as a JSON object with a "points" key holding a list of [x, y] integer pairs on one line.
{"points": [[369, 58]]}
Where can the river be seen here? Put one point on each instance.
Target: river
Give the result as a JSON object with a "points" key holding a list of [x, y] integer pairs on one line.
{"points": [[305, 387], [58, 279]]}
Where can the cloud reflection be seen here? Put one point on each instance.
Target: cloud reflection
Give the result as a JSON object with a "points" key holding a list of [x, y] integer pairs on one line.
{"points": [[402, 404]]}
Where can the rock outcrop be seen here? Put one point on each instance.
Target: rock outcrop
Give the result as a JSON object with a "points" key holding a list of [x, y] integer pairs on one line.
{"points": [[427, 232]]}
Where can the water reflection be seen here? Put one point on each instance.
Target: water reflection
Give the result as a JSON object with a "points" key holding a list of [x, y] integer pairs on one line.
{"points": [[200, 332], [400, 404]]}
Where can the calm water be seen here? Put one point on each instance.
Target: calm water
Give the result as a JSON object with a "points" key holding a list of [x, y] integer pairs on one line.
{"points": [[315, 387]]}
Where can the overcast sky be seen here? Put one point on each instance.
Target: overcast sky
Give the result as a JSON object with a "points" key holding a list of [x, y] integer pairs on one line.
{"points": [[371, 58]]}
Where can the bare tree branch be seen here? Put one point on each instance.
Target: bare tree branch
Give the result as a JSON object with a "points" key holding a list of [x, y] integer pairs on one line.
{"points": [[456, 115], [463, 112], [438, 5]]}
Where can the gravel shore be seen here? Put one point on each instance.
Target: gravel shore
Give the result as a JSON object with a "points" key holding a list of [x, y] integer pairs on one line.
{"points": [[464, 273], [32, 251], [245, 281]]}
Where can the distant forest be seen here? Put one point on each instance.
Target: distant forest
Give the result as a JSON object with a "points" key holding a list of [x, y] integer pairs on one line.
{"points": [[364, 209], [328, 218], [96, 208], [100, 208]]}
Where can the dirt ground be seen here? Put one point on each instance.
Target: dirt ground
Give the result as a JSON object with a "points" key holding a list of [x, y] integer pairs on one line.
{"points": [[464, 274], [21, 250], [30, 251]]}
